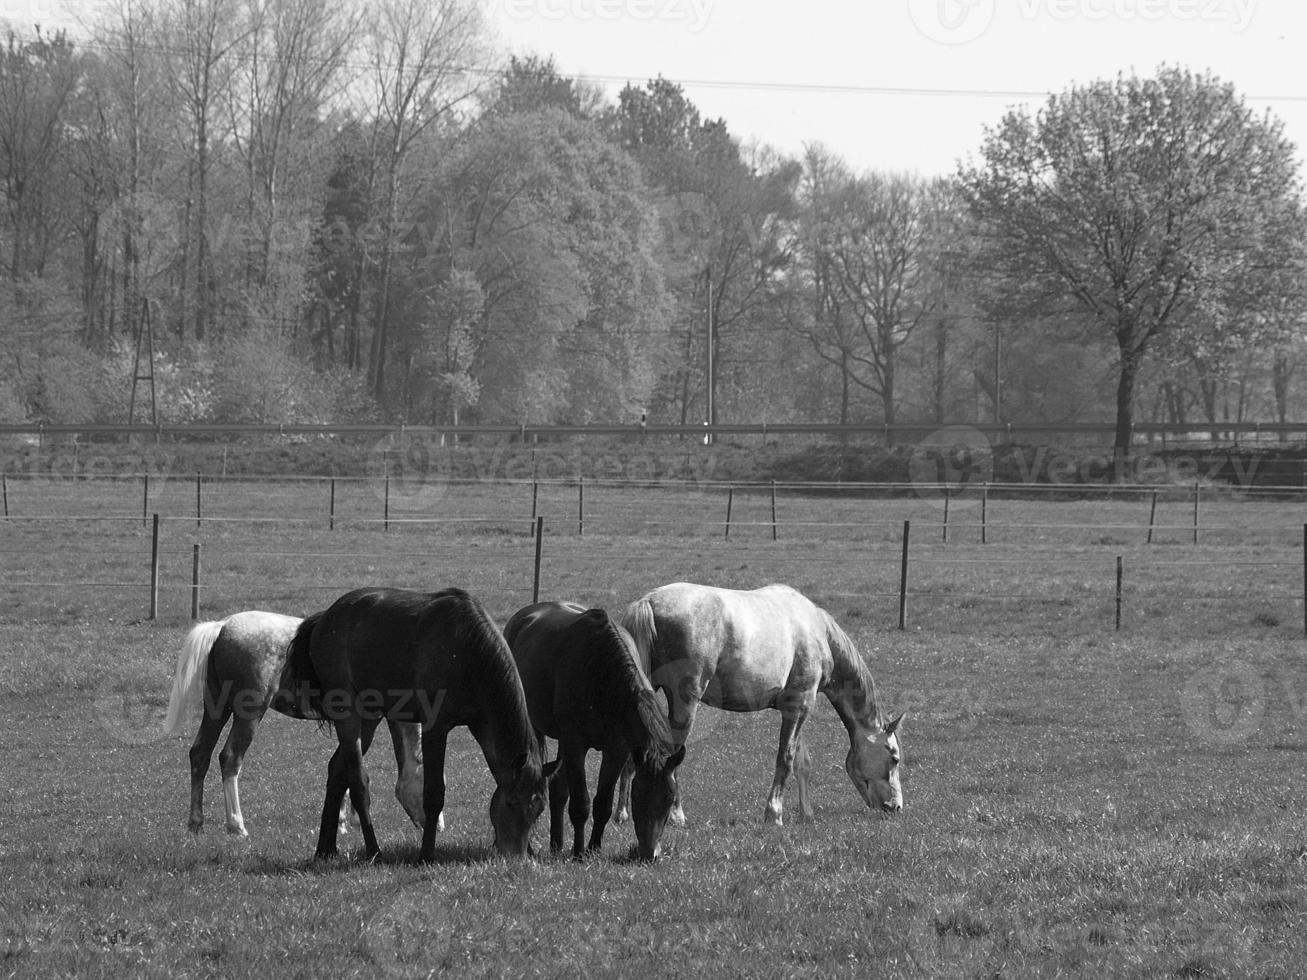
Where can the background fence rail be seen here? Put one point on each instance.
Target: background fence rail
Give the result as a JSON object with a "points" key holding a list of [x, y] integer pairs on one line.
{"points": [[65, 563]]}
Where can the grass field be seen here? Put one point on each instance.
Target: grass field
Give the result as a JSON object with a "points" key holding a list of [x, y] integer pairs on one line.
{"points": [[1079, 800]]}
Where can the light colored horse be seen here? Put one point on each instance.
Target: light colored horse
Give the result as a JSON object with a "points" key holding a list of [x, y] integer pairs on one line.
{"points": [[768, 648], [231, 668]]}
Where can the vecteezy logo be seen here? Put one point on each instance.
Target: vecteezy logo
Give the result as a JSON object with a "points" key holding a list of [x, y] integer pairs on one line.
{"points": [[951, 21], [411, 936], [1224, 704], [129, 713], [951, 460], [409, 471], [680, 680]]}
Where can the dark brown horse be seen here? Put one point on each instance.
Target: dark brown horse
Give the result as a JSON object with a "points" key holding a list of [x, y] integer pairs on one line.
{"points": [[432, 658], [230, 669], [584, 687]]}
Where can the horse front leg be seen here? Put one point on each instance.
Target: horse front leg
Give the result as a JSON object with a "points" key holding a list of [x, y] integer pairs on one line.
{"points": [[624, 792], [792, 718], [612, 766], [433, 788]]}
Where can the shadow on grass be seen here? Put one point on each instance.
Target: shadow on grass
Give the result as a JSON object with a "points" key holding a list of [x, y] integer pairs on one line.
{"points": [[401, 856]]}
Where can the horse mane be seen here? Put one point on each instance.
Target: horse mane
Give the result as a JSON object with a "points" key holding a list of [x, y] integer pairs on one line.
{"points": [[624, 693], [493, 659], [299, 679], [852, 675]]}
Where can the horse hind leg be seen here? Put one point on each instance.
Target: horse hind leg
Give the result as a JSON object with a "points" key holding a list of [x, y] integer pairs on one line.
{"points": [[609, 772], [201, 753], [230, 759]]}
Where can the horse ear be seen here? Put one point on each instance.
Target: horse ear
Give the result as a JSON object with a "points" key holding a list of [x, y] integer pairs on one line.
{"points": [[676, 758], [892, 727]]}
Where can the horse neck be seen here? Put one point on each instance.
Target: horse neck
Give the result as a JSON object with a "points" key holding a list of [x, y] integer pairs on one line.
{"points": [[503, 703], [621, 692], [851, 689]]}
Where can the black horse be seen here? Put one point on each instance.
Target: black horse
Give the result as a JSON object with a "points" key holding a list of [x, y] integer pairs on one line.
{"points": [[432, 658], [584, 687]]}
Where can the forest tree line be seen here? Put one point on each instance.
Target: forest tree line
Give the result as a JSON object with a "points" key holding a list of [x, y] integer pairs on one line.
{"points": [[335, 212]]}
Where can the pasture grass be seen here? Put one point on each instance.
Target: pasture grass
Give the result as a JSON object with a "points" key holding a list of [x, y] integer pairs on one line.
{"points": [[1080, 801]]}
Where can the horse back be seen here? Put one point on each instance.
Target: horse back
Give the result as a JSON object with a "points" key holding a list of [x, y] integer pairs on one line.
{"points": [[745, 643], [394, 643]]}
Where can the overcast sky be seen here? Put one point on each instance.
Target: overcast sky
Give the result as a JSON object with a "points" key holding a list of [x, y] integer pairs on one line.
{"points": [[888, 84], [908, 84]]}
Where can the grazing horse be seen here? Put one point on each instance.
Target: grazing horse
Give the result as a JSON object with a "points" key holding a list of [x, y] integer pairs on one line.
{"points": [[433, 658], [769, 648], [230, 668], [584, 686]]}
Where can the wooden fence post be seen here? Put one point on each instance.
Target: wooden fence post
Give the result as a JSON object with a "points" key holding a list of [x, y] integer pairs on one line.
{"points": [[195, 580], [984, 514], [331, 507], [535, 498], [730, 500], [1120, 571], [154, 569], [1152, 516], [385, 506], [1197, 495], [773, 508], [580, 505], [903, 579], [535, 581]]}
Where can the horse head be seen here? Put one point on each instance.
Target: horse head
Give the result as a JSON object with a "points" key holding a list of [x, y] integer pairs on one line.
{"points": [[873, 765], [653, 794], [518, 800]]}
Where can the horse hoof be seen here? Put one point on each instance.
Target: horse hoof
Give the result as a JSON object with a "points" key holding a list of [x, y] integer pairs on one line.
{"points": [[194, 827], [237, 831]]}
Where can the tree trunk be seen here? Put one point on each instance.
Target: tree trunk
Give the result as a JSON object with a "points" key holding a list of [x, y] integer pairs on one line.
{"points": [[1125, 423]]}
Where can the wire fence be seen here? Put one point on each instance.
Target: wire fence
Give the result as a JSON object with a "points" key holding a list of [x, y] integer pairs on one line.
{"points": [[95, 550]]}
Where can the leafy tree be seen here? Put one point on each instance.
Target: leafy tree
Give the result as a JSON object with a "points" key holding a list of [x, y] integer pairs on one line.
{"points": [[728, 224], [553, 226], [531, 83], [1140, 204]]}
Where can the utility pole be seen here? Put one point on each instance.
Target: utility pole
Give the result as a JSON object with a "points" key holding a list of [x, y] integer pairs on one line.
{"points": [[144, 345], [710, 408]]}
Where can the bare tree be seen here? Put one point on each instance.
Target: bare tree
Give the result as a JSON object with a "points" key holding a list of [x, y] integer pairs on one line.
{"points": [[424, 59], [291, 61], [200, 40]]}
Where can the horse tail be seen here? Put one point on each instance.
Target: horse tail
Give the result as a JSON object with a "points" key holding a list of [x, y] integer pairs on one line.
{"points": [[192, 671], [298, 678], [638, 620]]}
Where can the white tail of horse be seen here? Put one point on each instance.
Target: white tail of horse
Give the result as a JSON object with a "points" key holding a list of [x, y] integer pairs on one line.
{"points": [[187, 698], [638, 620]]}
